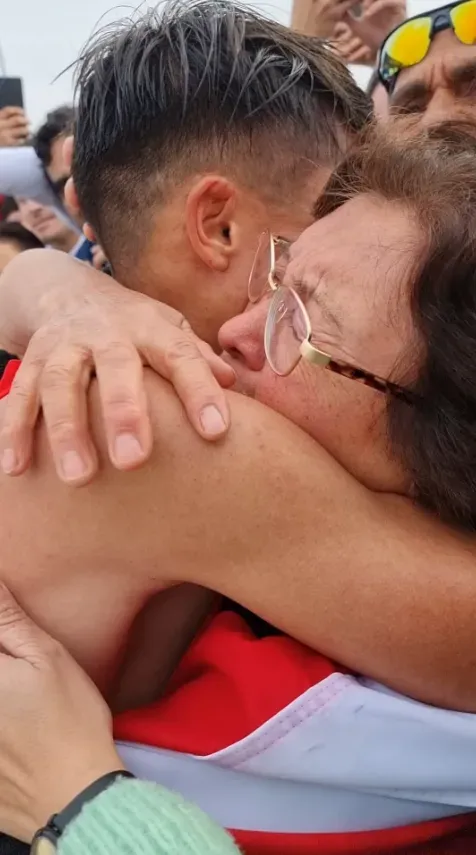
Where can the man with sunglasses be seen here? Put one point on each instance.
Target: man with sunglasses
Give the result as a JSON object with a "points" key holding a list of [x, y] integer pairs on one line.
{"points": [[428, 63]]}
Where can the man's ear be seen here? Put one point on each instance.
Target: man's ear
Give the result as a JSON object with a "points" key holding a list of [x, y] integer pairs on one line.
{"points": [[209, 220], [89, 233], [73, 208], [71, 199], [70, 195], [68, 147]]}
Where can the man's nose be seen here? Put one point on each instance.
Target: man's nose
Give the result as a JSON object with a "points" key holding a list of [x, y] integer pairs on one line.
{"points": [[444, 105], [243, 336]]}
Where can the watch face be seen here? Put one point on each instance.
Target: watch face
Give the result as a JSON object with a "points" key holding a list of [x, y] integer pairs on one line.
{"points": [[42, 845]]}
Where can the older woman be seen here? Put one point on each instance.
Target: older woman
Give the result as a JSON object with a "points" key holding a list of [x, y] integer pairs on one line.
{"points": [[394, 407]]}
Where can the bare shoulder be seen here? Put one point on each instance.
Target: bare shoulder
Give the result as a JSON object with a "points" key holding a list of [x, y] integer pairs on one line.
{"points": [[262, 451]]}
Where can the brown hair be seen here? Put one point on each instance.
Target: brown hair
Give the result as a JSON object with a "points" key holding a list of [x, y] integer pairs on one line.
{"points": [[433, 172]]}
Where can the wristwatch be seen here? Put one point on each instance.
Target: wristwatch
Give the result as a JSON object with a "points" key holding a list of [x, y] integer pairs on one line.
{"points": [[45, 841]]}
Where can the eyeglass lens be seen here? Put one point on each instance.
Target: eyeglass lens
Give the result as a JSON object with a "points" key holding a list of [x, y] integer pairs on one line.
{"points": [[286, 328]]}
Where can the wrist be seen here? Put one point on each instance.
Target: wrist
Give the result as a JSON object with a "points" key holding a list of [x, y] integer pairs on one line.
{"points": [[68, 783]]}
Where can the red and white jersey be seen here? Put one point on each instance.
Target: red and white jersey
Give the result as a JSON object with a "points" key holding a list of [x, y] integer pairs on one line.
{"points": [[297, 757]]}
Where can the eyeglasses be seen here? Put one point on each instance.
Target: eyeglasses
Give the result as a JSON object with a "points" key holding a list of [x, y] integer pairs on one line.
{"points": [[288, 333], [262, 277], [409, 43]]}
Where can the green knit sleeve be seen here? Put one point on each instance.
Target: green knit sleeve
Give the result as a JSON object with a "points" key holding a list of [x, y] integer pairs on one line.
{"points": [[139, 817]]}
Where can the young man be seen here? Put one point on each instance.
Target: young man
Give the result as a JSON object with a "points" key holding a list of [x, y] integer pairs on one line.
{"points": [[203, 151], [124, 538]]}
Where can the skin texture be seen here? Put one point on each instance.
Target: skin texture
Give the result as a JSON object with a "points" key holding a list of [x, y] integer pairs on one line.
{"points": [[442, 86]]}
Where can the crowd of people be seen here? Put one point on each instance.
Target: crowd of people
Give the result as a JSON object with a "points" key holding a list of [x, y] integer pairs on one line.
{"points": [[238, 491]]}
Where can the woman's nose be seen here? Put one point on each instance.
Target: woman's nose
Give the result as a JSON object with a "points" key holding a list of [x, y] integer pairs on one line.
{"points": [[243, 336]]}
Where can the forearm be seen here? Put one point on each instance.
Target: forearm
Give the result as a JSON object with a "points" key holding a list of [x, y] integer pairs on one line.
{"points": [[135, 816]]}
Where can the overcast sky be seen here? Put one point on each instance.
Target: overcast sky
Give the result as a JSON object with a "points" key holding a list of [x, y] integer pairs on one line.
{"points": [[39, 38]]}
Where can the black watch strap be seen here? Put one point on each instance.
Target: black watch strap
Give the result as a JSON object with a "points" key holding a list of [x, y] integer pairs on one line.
{"points": [[56, 825]]}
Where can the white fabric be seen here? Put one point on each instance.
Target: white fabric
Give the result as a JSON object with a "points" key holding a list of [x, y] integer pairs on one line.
{"points": [[21, 174], [348, 755]]}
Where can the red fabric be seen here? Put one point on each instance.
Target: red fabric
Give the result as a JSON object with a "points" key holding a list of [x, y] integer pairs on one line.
{"points": [[454, 836], [8, 377], [228, 684]]}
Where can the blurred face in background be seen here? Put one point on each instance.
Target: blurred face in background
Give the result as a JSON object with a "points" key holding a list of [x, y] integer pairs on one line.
{"points": [[46, 225]]}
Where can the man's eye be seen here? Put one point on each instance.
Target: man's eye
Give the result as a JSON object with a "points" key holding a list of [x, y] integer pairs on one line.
{"points": [[467, 88]]}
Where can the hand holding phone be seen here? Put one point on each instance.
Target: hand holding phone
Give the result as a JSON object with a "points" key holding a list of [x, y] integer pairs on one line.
{"points": [[14, 127]]}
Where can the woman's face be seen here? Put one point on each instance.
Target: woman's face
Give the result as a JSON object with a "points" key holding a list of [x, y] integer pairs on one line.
{"points": [[352, 271]]}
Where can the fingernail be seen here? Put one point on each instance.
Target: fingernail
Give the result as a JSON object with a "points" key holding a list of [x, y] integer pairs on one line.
{"points": [[127, 449], [9, 461], [212, 421], [72, 466]]}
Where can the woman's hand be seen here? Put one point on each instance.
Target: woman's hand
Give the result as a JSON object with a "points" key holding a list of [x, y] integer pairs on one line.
{"points": [[86, 322], [55, 729]]}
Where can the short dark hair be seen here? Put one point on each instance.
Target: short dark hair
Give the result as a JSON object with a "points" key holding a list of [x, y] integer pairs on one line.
{"points": [[433, 172], [201, 85], [17, 234], [58, 121]]}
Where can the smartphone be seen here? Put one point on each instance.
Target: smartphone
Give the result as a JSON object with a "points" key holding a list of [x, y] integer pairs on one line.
{"points": [[11, 92]]}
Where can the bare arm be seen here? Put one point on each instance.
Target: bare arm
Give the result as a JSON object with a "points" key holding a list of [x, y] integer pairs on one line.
{"points": [[267, 518]]}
